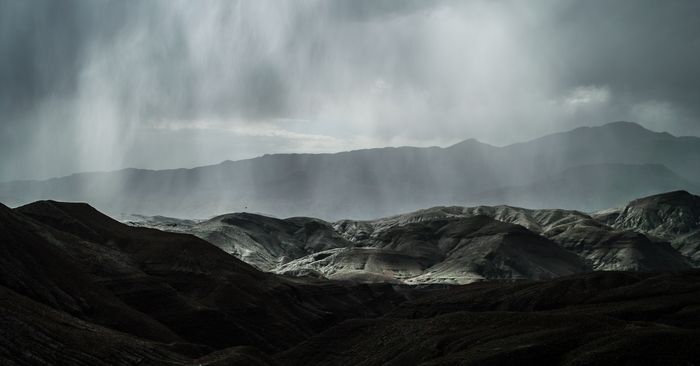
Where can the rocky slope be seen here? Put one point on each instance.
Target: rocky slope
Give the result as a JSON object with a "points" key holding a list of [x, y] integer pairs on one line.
{"points": [[79, 288], [459, 250], [267, 242], [165, 287], [601, 246], [672, 216], [601, 318], [439, 245]]}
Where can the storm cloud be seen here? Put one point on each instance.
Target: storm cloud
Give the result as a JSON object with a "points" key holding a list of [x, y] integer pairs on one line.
{"points": [[101, 85]]}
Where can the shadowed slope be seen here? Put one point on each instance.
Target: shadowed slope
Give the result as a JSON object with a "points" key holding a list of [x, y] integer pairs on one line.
{"points": [[196, 290], [35, 334], [594, 319], [32, 263], [57, 278]]}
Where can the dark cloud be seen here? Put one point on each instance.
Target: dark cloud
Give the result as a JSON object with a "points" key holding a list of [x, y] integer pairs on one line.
{"points": [[640, 47], [84, 85]]}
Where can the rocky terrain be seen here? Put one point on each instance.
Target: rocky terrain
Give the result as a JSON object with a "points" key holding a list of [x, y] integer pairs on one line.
{"points": [[79, 288], [594, 319], [673, 217], [457, 245], [589, 168], [602, 247], [158, 286], [457, 250]]}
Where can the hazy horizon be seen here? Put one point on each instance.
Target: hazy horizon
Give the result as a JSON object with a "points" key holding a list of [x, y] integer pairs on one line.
{"points": [[106, 85], [342, 182], [176, 167]]}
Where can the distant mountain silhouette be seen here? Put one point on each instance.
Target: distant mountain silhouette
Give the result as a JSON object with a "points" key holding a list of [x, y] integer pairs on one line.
{"points": [[592, 187], [378, 182]]}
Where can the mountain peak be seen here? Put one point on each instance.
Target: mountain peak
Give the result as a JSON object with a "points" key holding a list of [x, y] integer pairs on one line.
{"points": [[630, 127], [625, 124], [51, 206], [472, 142], [75, 214]]}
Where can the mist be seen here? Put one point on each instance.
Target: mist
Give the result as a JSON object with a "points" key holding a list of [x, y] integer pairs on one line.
{"points": [[104, 85], [343, 182]]}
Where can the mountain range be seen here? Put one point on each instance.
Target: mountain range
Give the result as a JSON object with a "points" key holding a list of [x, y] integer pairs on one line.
{"points": [[175, 289], [458, 245], [79, 288], [586, 169], [599, 266]]}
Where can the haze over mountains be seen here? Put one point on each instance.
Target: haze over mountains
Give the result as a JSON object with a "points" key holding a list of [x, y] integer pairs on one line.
{"points": [[612, 275], [440, 285], [349, 182], [586, 169]]}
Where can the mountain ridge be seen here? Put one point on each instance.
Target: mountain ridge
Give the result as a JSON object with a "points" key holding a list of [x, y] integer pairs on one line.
{"points": [[377, 182], [448, 244], [467, 142], [79, 287]]}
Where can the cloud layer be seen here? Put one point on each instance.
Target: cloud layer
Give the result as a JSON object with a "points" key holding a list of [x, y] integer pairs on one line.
{"points": [[98, 85]]}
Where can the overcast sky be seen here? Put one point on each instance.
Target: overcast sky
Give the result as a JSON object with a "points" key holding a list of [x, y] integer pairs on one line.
{"points": [[101, 85]]}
